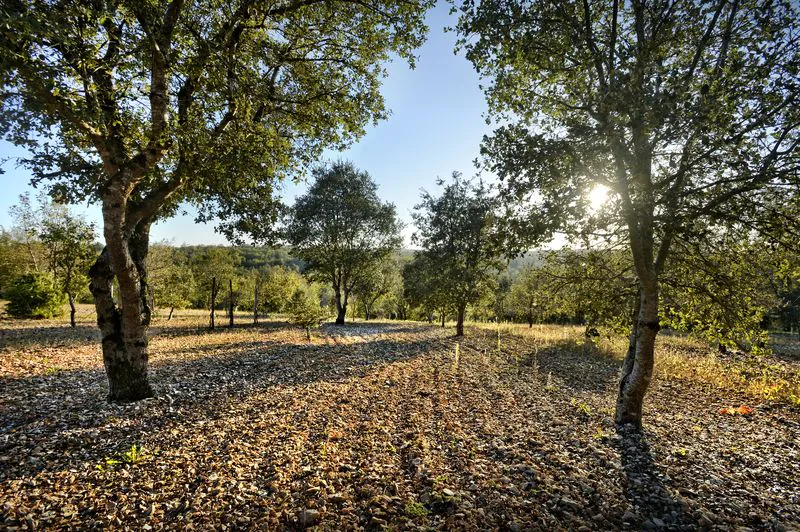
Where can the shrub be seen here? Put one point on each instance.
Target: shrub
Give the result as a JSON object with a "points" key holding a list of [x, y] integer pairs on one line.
{"points": [[34, 295], [305, 309]]}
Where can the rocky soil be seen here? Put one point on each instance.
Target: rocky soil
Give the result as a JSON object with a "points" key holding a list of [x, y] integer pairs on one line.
{"points": [[370, 426]]}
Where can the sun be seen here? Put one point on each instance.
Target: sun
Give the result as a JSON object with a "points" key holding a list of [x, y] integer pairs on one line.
{"points": [[597, 197]]}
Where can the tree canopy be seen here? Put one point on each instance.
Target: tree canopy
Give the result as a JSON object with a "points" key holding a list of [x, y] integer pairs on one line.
{"points": [[342, 229], [140, 105], [686, 111], [458, 236]]}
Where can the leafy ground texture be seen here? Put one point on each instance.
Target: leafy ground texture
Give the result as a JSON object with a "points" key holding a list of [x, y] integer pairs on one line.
{"points": [[382, 425]]}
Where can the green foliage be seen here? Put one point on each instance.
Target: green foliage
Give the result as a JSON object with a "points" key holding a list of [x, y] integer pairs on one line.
{"points": [[132, 456], [416, 509], [376, 283], [69, 241], [209, 262], [278, 287], [341, 228], [305, 310], [721, 291], [236, 96], [170, 277], [460, 244], [34, 295]]}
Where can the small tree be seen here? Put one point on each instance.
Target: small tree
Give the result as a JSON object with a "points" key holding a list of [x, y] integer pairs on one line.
{"points": [[422, 288], [69, 241], [342, 230], [34, 295], [305, 309], [380, 281], [459, 241], [278, 287]]}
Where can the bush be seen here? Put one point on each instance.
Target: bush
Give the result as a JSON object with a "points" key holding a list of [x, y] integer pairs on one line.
{"points": [[34, 295], [305, 309]]}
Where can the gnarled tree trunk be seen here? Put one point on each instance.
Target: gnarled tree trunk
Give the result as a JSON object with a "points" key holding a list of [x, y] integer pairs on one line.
{"points": [[462, 311], [341, 306], [123, 327]]}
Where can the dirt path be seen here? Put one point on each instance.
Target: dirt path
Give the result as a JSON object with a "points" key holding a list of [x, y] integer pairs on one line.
{"points": [[375, 426]]}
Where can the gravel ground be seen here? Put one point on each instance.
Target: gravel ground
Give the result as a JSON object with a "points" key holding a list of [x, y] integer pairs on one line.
{"points": [[375, 426]]}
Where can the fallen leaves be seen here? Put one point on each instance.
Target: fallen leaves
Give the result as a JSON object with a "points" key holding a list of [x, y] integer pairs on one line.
{"points": [[370, 426], [742, 410]]}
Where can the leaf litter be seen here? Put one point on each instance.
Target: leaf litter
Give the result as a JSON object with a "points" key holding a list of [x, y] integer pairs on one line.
{"points": [[376, 425]]}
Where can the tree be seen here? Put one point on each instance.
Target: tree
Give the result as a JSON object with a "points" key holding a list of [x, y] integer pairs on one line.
{"points": [[140, 105], [305, 309], [34, 295], [525, 297], [342, 230], [458, 237], [687, 112], [171, 278], [278, 287], [28, 221], [69, 241], [376, 283], [13, 260], [422, 288]]}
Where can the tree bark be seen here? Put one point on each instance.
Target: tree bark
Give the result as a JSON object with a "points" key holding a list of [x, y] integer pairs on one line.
{"points": [[230, 303], [71, 298], [462, 310], [171, 310], [213, 299], [341, 306], [637, 368], [123, 328]]}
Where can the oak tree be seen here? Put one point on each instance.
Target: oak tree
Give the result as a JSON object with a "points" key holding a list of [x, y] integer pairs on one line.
{"points": [[140, 105], [342, 229], [686, 111]]}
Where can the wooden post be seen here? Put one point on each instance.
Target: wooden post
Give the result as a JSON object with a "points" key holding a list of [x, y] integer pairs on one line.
{"points": [[213, 299], [255, 304], [230, 302]]}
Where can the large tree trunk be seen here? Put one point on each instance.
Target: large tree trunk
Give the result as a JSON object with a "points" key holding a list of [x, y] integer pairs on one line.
{"points": [[71, 298], [341, 306], [462, 310], [123, 328], [637, 368]]}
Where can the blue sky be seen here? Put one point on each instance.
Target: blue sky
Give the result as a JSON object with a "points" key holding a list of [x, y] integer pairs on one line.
{"points": [[435, 128]]}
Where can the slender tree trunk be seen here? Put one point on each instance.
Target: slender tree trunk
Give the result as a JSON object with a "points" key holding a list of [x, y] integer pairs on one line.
{"points": [[71, 298], [123, 328], [213, 299], [443, 318], [460, 320], [255, 304], [230, 302], [637, 368], [171, 310], [341, 306]]}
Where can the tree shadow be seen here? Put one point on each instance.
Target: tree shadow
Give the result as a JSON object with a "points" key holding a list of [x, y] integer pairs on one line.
{"points": [[71, 405], [646, 487], [584, 369]]}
